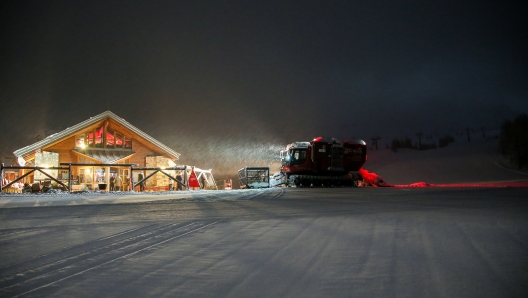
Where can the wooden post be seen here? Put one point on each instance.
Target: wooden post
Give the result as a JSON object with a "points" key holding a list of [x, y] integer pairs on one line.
{"points": [[185, 177], [69, 178], [131, 180], [2, 177], [107, 178]]}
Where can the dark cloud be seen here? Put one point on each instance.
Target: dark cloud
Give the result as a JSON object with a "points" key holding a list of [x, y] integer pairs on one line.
{"points": [[208, 76]]}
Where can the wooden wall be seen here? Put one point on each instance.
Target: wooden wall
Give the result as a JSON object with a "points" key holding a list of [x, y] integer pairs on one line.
{"points": [[64, 148], [142, 151]]}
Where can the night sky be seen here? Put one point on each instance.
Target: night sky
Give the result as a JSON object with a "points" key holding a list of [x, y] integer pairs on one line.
{"points": [[228, 83]]}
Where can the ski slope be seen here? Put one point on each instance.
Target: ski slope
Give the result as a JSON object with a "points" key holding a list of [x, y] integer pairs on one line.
{"points": [[459, 163]]}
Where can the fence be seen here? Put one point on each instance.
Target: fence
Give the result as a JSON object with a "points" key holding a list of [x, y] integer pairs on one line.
{"points": [[68, 169]]}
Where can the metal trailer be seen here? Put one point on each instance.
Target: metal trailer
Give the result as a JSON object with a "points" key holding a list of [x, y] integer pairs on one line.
{"points": [[254, 177]]}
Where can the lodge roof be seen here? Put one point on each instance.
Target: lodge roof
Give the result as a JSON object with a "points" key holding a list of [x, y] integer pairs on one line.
{"points": [[28, 150]]}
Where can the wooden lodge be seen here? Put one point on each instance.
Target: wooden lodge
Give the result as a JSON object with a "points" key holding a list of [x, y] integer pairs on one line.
{"points": [[98, 149]]}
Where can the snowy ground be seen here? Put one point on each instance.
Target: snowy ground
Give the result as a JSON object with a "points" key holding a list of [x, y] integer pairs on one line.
{"points": [[90, 198], [338, 242], [348, 242]]}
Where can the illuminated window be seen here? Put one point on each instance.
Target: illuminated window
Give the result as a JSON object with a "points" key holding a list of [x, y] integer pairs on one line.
{"points": [[99, 137], [79, 141], [90, 139], [110, 138], [298, 157], [119, 140]]}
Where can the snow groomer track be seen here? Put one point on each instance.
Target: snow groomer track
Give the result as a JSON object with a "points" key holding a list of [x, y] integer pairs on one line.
{"points": [[48, 269]]}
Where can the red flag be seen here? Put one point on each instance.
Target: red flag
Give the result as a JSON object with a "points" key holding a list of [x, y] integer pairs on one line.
{"points": [[193, 181]]}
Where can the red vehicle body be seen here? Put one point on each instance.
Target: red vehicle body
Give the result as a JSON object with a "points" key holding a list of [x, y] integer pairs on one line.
{"points": [[323, 162]]}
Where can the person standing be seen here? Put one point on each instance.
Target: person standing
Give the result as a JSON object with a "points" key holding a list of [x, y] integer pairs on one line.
{"points": [[126, 183], [171, 184], [118, 182], [179, 181], [112, 182]]}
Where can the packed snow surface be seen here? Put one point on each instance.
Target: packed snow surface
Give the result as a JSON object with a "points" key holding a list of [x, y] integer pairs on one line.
{"points": [[341, 242], [279, 242]]}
